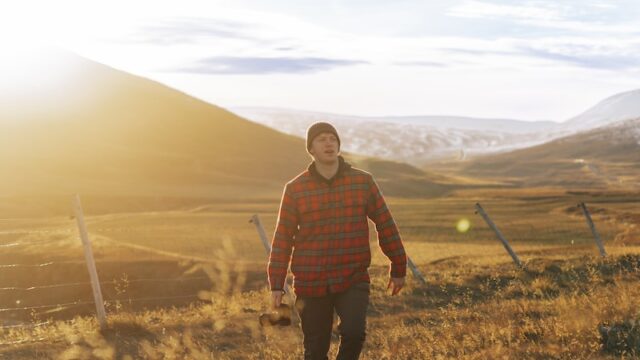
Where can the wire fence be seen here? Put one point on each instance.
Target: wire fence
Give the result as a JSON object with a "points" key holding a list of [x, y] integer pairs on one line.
{"points": [[39, 291], [519, 226], [112, 282]]}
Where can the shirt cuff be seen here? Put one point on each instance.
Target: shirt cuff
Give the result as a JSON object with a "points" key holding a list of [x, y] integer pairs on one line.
{"points": [[398, 270]]}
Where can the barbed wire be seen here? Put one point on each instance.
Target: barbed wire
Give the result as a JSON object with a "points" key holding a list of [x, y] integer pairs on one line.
{"points": [[29, 243], [22, 232], [84, 302], [67, 231], [49, 263], [31, 288], [5, 266], [66, 305], [169, 280], [46, 286], [155, 298], [25, 326], [9, 245], [29, 341]]}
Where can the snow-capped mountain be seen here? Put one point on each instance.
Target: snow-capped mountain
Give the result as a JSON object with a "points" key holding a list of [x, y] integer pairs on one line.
{"points": [[414, 139], [423, 139], [616, 108]]}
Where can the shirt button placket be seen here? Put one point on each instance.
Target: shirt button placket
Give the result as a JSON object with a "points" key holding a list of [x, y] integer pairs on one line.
{"points": [[323, 261]]}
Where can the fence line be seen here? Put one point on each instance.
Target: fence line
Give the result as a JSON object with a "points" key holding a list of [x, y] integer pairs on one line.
{"points": [[168, 280], [9, 245], [4, 266], [112, 282], [22, 326], [27, 341], [66, 305], [15, 232], [254, 220], [85, 302], [44, 286], [29, 243], [155, 298]]}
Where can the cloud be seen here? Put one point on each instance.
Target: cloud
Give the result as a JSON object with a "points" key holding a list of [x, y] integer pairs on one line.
{"points": [[587, 60], [480, 9], [264, 65], [478, 52], [421, 63], [578, 17], [177, 31]]}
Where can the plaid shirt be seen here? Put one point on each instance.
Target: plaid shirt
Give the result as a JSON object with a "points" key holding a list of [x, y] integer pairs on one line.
{"points": [[324, 223]]}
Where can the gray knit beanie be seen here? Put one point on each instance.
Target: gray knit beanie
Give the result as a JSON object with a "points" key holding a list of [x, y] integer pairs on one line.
{"points": [[319, 128]]}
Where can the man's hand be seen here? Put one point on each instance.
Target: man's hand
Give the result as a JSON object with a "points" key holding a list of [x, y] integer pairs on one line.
{"points": [[276, 296], [397, 283]]}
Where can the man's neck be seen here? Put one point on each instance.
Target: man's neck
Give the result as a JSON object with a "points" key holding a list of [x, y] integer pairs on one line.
{"points": [[328, 170]]}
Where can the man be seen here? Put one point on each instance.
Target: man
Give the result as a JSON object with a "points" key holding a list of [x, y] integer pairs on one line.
{"points": [[323, 230]]}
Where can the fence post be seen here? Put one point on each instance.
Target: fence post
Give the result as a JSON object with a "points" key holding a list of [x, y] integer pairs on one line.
{"points": [[255, 219], [501, 237], [91, 264], [595, 233], [416, 273]]}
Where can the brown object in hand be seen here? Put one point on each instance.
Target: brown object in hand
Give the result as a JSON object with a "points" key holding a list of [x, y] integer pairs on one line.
{"points": [[280, 317]]}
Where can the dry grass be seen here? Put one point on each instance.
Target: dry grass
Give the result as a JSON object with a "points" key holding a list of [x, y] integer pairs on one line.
{"points": [[551, 309], [476, 305]]}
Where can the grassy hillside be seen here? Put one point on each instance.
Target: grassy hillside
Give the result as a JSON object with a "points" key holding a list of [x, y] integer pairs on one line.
{"points": [[604, 157], [98, 131], [111, 132]]}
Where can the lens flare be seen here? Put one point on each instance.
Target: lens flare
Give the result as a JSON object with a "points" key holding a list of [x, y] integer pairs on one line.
{"points": [[463, 225]]}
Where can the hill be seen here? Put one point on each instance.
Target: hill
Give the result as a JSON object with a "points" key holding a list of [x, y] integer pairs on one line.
{"points": [[605, 156], [619, 107], [425, 140], [418, 140], [92, 129]]}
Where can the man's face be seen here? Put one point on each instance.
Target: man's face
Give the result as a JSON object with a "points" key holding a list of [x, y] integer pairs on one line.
{"points": [[325, 148]]}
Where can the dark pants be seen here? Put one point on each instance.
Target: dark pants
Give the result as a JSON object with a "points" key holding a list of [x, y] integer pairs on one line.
{"points": [[316, 314]]}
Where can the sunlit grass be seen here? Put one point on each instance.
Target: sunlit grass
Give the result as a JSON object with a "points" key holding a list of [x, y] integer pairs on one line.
{"points": [[552, 309], [476, 304]]}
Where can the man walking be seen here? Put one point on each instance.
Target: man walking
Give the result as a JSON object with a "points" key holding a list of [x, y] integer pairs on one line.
{"points": [[323, 231]]}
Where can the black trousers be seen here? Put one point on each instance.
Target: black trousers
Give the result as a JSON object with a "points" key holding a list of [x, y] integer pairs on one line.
{"points": [[316, 314]]}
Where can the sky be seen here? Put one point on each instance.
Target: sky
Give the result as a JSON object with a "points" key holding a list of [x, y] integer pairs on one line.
{"points": [[526, 60]]}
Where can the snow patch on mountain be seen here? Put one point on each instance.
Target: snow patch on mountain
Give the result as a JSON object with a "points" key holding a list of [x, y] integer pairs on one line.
{"points": [[422, 139], [411, 142], [616, 108]]}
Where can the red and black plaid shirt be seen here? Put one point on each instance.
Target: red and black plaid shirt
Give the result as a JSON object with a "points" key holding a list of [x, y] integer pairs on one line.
{"points": [[324, 223]]}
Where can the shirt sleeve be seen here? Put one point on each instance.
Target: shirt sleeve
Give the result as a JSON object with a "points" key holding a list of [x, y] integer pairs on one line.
{"points": [[282, 242], [388, 234]]}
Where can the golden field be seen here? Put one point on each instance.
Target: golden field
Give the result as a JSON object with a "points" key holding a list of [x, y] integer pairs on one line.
{"points": [[187, 280]]}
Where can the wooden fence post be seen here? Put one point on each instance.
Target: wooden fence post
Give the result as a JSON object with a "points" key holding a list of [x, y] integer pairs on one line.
{"points": [[592, 226], [501, 237], [255, 219], [416, 273], [91, 264]]}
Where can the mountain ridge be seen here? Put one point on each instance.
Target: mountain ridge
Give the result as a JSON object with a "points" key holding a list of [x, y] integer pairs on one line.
{"points": [[422, 140]]}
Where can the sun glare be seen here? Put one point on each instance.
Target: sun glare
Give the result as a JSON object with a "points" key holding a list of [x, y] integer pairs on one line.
{"points": [[30, 34], [463, 225], [23, 33], [28, 70]]}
